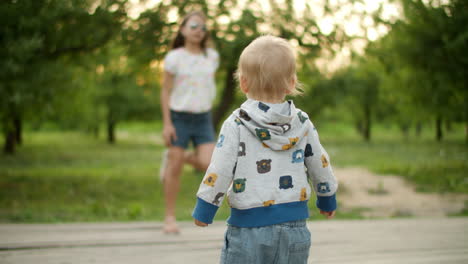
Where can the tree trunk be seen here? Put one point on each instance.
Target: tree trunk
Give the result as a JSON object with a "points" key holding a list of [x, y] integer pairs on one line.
{"points": [[439, 134], [10, 142], [448, 126], [95, 131], [111, 129], [367, 123], [18, 128], [405, 128], [227, 98], [466, 132], [358, 126], [418, 129], [111, 132], [9, 132]]}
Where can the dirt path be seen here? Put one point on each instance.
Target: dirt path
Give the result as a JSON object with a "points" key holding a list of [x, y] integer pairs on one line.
{"points": [[387, 196]]}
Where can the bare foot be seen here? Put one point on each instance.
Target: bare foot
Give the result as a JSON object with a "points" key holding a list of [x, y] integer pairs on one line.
{"points": [[170, 226]]}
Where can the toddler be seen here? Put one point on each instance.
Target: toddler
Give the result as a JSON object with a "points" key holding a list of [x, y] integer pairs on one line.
{"points": [[266, 152]]}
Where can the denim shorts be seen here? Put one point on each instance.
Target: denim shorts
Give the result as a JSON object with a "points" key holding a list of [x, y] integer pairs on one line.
{"points": [[192, 127], [276, 244]]}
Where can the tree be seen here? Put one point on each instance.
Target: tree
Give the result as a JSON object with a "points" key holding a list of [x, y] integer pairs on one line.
{"points": [[358, 87], [36, 35], [123, 92], [431, 41], [234, 25]]}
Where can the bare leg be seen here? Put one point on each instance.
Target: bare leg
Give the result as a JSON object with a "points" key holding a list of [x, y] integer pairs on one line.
{"points": [[200, 159], [171, 187]]}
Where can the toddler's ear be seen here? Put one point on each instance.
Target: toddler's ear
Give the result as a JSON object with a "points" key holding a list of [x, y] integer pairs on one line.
{"points": [[292, 84], [243, 85]]}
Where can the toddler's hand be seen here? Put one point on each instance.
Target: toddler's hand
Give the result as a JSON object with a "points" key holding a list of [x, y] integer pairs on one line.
{"points": [[199, 223], [329, 215]]}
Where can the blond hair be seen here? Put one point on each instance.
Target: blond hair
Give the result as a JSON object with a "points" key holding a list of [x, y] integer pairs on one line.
{"points": [[268, 66]]}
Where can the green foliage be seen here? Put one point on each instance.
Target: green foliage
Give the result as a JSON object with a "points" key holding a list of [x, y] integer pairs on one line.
{"points": [[425, 60], [354, 90], [37, 35], [148, 37], [80, 38], [233, 26], [119, 89], [417, 72]]}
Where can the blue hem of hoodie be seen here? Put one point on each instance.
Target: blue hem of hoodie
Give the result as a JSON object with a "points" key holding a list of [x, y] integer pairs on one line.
{"points": [[271, 215], [326, 203], [263, 216], [204, 211]]}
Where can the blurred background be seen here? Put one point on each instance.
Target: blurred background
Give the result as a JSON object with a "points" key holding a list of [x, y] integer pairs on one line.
{"points": [[385, 84]]}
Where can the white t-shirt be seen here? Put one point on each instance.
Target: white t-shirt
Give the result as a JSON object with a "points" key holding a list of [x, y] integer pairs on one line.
{"points": [[194, 83]]}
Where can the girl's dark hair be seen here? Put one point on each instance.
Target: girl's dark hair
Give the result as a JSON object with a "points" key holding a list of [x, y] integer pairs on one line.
{"points": [[179, 40]]}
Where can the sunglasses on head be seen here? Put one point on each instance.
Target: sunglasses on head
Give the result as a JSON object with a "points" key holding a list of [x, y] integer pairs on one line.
{"points": [[195, 25]]}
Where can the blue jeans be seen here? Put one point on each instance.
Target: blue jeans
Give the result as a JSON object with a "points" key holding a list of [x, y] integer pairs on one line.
{"points": [[276, 244], [192, 127]]}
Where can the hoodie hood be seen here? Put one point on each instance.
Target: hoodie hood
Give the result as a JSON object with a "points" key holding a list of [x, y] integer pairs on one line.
{"points": [[278, 126]]}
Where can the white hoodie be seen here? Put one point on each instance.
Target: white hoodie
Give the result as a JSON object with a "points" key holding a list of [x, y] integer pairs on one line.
{"points": [[263, 159]]}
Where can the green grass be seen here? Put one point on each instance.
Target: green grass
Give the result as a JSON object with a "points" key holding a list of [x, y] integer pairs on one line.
{"points": [[71, 176], [74, 177], [432, 166]]}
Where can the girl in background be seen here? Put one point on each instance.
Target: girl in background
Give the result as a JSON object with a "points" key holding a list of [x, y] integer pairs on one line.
{"points": [[187, 95]]}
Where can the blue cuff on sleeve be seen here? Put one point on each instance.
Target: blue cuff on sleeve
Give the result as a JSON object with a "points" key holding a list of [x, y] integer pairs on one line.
{"points": [[204, 211], [326, 203]]}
